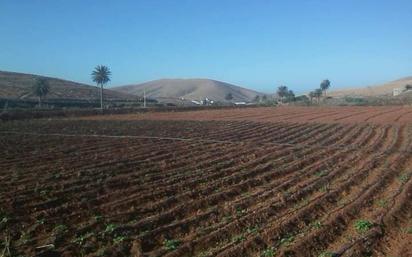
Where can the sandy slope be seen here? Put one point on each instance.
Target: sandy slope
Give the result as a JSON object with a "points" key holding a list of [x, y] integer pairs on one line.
{"points": [[374, 90], [18, 85], [192, 89]]}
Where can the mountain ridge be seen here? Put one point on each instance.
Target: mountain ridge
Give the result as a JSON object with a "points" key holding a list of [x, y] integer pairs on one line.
{"points": [[383, 89], [192, 89], [17, 85]]}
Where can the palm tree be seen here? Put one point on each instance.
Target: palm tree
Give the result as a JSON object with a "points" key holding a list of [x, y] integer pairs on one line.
{"points": [[101, 75], [290, 96], [312, 95], [318, 93], [41, 88], [325, 85], [282, 92]]}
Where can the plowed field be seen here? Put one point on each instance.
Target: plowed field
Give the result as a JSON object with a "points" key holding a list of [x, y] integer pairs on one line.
{"points": [[243, 182]]}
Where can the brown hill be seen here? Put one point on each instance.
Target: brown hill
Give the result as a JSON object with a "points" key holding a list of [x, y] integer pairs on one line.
{"points": [[190, 89], [15, 85], [385, 89]]}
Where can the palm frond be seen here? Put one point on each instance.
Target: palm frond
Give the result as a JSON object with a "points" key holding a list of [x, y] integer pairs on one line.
{"points": [[101, 74]]}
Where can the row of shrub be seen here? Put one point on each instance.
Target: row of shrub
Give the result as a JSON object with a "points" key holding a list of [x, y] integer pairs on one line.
{"points": [[19, 114]]}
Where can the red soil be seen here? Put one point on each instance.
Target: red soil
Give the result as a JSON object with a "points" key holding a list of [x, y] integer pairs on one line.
{"points": [[376, 115], [298, 184]]}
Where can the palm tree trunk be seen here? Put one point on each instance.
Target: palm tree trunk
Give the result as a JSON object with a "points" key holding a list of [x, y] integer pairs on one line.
{"points": [[101, 96]]}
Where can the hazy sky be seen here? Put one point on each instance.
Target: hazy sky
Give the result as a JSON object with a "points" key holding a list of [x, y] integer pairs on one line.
{"points": [[258, 44]]}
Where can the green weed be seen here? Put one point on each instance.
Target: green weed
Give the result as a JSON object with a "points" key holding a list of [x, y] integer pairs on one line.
{"points": [[4, 221], [98, 217], [316, 224], [381, 203], [268, 252], [110, 228], [363, 225], [321, 173], [252, 230], [238, 238], [24, 238], [60, 229], [80, 240], [143, 233], [41, 221], [326, 254], [287, 240], [324, 188], [240, 212], [118, 239], [171, 244], [403, 178], [204, 254]]}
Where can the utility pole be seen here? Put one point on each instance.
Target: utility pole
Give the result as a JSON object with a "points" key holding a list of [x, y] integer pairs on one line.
{"points": [[144, 97]]}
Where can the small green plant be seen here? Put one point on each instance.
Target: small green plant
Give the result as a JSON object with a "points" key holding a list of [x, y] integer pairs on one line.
{"points": [[403, 178], [268, 252], [24, 238], [98, 217], [246, 194], [41, 221], [238, 238], [300, 204], [143, 233], [240, 212], [6, 244], [252, 230], [316, 224], [409, 230], [287, 240], [2, 213], [363, 225], [4, 220], [205, 254], [118, 239], [80, 240], [326, 254], [110, 228], [44, 193], [324, 188], [171, 244], [321, 173], [381, 203], [60, 229]]}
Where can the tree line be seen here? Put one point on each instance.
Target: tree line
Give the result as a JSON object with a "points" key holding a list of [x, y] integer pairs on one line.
{"points": [[101, 75], [318, 92], [285, 95]]}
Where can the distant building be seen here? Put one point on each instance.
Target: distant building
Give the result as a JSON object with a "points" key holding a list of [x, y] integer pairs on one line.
{"points": [[196, 102], [396, 91]]}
